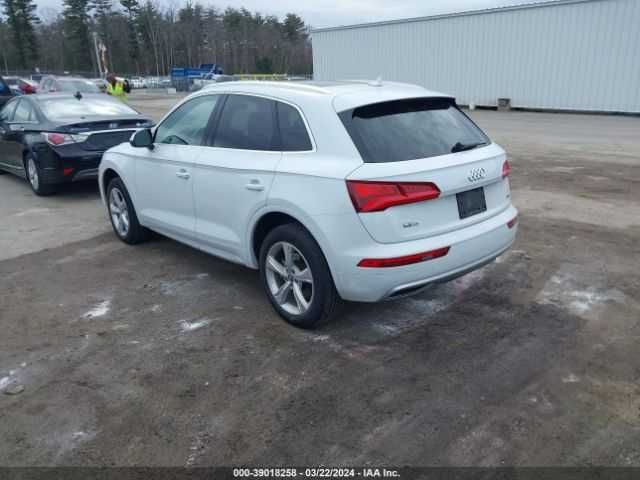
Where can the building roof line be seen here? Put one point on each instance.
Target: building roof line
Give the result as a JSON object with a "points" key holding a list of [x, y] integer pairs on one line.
{"points": [[507, 8]]}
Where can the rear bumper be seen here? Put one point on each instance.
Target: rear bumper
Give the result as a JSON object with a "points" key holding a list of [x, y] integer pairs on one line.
{"points": [[87, 174], [470, 248], [76, 163], [417, 286]]}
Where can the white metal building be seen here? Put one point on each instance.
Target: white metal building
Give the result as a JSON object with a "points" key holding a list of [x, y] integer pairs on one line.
{"points": [[564, 54]]}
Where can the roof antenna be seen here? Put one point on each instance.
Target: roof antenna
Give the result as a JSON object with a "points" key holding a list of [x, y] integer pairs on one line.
{"points": [[377, 82], [78, 95]]}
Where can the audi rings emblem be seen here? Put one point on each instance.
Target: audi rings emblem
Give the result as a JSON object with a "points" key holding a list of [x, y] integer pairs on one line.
{"points": [[476, 174]]}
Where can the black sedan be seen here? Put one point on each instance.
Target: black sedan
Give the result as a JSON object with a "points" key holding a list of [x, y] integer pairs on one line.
{"points": [[57, 138]]}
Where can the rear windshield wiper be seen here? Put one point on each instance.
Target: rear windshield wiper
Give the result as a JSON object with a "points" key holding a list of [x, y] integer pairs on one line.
{"points": [[461, 147]]}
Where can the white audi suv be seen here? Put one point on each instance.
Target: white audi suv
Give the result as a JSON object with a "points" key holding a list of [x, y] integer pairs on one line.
{"points": [[354, 190]]}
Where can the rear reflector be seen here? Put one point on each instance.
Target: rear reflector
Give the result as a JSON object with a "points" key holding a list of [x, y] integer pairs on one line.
{"points": [[511, 223], [506, 169], [378, 196], [401, 261]]}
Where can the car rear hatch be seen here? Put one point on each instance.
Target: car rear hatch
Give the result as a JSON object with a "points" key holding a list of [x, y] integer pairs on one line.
{"points": [[428, 169]]}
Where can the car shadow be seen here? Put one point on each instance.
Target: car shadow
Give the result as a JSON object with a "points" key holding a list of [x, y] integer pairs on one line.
{"points": [[85, 189]]}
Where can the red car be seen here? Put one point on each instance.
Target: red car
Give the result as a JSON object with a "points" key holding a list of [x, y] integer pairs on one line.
{"points": [[25, 86]]}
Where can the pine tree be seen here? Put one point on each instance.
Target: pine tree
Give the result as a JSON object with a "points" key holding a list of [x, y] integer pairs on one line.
{"points": [[132, 9], [76, 33], [21, 18], [294, 27]]}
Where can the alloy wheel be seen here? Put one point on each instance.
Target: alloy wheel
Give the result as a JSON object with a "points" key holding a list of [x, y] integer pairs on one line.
{"points": [[289, 278], [119, 212], [32, 172]]}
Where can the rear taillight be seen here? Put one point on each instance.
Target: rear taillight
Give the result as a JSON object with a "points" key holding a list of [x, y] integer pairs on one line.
{"points": [[58, 139], [402, 261], [512, 223], [506, 169], [378, 196]]}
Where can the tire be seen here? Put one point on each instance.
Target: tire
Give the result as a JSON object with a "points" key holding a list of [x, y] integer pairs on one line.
{"points": [[122, 214], [292, 248], [34, 177]]}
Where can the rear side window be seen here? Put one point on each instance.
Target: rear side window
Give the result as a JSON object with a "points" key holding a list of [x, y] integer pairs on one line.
{"points": [[246, 123], [24, 112], [293, 132], [411, 129], [6, 114]]}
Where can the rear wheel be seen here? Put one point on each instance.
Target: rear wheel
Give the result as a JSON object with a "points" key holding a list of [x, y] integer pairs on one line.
{"points": [[34, 177], [296, 277], [122, 214]]}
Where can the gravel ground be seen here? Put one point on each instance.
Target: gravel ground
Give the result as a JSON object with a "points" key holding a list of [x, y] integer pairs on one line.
{"points": [[162, 355]]}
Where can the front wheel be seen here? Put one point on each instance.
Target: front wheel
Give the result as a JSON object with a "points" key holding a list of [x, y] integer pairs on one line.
{"points": [[122, 214], [296, 277]]}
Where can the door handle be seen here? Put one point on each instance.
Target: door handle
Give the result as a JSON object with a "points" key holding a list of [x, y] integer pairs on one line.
{"points": [[182, 173], [255, 185]]}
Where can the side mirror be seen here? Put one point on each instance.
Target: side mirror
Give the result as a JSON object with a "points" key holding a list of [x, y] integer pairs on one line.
{"points": [[142, 138]]}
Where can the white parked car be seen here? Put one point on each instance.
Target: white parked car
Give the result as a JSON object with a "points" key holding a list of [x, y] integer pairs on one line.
{"points": [[138, 82], [353, 190]]}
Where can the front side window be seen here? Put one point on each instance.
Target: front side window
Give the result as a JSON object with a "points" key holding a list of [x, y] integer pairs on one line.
{"points": [[188, 124], [247, 123], [411, 129], [293, 132], [24, 112]]}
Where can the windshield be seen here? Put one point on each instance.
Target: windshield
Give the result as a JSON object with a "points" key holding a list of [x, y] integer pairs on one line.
{"points": [[411, 129], [55, 108], [82, 86]]}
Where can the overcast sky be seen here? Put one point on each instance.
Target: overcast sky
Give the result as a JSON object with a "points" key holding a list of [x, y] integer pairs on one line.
{"points": [[327, 13]]}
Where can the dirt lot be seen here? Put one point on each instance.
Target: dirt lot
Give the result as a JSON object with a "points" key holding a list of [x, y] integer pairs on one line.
{"points": [[161, 355]]}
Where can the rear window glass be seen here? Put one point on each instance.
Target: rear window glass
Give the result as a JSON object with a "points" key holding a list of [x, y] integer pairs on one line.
{"points": [[411, 129], [82, 86], [71, 107]]}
